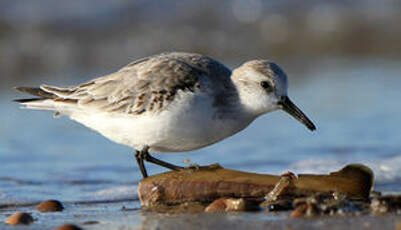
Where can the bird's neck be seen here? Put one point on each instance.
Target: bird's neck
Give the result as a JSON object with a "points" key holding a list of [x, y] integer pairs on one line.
{"points": [[233, 106]]}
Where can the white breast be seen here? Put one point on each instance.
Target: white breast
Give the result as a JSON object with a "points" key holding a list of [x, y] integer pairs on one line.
{"points": [[188, 124]]}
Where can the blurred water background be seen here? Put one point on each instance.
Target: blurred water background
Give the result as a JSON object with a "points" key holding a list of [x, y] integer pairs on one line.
{"points": [[343, 59]]}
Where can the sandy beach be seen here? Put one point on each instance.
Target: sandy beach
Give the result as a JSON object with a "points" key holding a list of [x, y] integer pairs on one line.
{"points": [[105, 215]]}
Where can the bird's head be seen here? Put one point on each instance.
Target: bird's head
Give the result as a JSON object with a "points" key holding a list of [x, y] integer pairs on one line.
{"points": [[262, 87]]}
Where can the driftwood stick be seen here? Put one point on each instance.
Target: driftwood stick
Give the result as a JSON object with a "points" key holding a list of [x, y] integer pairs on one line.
{"points": [[207, 183]]}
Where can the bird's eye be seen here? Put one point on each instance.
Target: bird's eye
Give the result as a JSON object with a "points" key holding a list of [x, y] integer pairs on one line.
{"points": [[266, 85]]}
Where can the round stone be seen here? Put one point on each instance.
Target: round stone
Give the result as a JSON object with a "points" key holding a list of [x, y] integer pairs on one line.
{"points": [[20, 218], [50, 206]]}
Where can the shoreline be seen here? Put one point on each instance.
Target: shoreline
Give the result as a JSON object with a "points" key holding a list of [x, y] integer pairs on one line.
{"points": [[128, 215]]}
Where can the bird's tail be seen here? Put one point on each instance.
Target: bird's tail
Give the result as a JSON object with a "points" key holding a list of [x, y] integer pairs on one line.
{"points": [[47, 97]]}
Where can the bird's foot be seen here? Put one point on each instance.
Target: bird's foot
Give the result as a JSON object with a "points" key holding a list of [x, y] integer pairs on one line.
{"points": [[144, 155]]}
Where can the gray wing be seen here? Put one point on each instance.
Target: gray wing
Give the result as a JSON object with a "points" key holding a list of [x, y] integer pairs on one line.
{"points": [[149, 84]]}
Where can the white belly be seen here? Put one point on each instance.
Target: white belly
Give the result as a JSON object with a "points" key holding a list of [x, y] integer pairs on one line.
{"points": [[186, 125]]}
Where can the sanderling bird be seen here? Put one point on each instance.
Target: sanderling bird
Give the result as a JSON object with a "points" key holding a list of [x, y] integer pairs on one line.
{"points": [[171, 102]]}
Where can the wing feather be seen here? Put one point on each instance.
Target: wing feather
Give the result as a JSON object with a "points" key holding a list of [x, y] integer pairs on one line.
{"points": [[147, 86]]}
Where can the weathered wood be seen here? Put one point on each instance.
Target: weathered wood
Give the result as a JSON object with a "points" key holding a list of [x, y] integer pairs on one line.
{"points": [[207, 183]]}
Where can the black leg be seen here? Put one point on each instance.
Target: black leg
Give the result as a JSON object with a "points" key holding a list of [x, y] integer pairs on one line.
{"points": [[139, 160], [144, 155]]}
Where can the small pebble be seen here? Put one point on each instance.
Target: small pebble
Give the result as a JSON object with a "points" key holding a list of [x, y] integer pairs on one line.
{"points": [[231, 205], [217, 206], [50, 206], [299, 212], [68, 227], [305, 210], [20, 218]]}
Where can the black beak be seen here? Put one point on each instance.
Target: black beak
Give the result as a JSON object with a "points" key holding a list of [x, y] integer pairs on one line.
{"points": [[294, 111]]}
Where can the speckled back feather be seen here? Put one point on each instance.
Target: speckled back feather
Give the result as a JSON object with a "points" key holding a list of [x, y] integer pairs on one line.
{"points": [[147, 85]]}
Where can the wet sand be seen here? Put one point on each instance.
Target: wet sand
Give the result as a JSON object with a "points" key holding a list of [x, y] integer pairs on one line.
{"points": [[128, 215]]}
